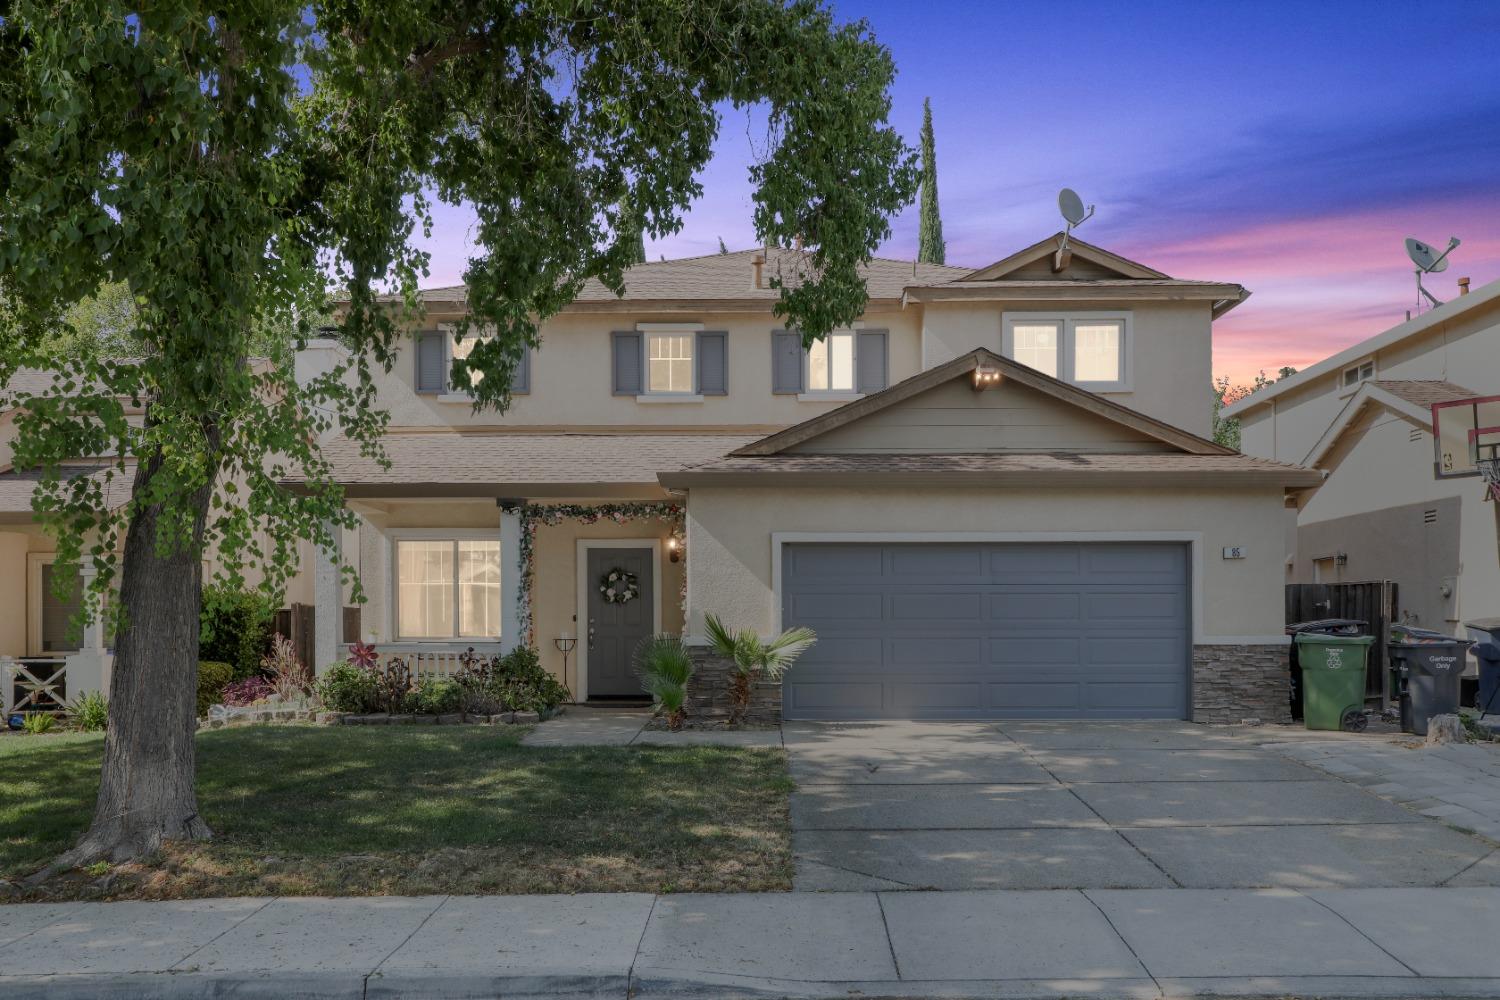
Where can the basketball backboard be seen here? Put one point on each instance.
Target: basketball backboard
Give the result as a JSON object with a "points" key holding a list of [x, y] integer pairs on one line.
{"points": [[1463, 432]]}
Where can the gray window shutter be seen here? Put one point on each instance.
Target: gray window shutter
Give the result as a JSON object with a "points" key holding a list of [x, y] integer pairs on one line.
{"points": [[786, 361], [871, 360], [520, 382], [628, 362], [432, 361], [713, 363]]}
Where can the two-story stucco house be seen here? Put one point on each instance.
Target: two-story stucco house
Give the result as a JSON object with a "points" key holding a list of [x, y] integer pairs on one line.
{"points": [[1389, 508], [991, 496]]}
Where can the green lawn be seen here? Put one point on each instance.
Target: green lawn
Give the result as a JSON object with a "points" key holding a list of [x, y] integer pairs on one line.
{"points": [[461, 809]]}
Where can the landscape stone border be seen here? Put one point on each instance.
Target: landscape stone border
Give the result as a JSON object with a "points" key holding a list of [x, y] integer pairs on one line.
{"points": [[221, 716]]}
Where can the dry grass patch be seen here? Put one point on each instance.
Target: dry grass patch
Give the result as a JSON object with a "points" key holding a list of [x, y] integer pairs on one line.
{"points": [[354, 811]]}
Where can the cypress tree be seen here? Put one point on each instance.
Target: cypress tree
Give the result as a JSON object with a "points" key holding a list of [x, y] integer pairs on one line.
{"points": [[930, 246]]}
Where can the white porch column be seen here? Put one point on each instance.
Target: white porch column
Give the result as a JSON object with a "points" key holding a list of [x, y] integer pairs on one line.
{"points": [[328, 604], [510, 574], [89, 668]]}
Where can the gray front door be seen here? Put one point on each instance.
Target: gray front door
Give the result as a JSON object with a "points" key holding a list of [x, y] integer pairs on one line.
{"points": [[989, 630], [614, 630]]}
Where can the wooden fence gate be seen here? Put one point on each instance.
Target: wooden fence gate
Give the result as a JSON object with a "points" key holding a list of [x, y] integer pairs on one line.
{"points": [[298, 623], [1372, 601]]}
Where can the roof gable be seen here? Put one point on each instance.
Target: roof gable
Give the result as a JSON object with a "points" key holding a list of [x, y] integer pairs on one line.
{"points": [[1085, 262], [1409, 399], [1135, 430]]}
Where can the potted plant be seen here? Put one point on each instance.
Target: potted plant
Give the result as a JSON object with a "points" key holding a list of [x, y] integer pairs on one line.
{"points": [[754, 658]]}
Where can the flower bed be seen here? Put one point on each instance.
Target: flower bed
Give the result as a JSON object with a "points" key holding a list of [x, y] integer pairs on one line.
{"points": [[220, 716]]}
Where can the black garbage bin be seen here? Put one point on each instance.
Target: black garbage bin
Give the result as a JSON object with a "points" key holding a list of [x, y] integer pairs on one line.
{"points": [[1487, 651], [1323, 626], [1427, 667]]}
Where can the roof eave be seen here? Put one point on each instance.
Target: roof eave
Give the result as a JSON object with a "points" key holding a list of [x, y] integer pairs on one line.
{"points": [[1071, 290], [1068, 478]]}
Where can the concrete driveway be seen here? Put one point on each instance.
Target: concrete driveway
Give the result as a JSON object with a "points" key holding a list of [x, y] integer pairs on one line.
{"points": [[1079, 805]]}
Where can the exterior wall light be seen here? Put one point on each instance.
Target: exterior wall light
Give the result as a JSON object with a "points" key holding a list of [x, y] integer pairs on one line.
{"points": [[986, 378], [674, 550]]}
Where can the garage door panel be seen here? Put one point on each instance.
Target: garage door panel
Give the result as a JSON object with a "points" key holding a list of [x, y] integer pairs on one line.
{"points": [[1036, 563], [1134, 607], [1010, 606], [934, 651], [992, 630], [838, 607], [943, 695], [940, 562], [937, 606], [1024, 651], [1051, 695]]}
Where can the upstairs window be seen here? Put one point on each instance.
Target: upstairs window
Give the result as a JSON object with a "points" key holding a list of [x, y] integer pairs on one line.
{"points": [[1355, 374], [1090, 350], [830, 363], [669, 362]]}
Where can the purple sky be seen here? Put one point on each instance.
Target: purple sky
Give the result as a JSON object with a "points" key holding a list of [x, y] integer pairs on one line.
{"points": [[1287, 146]]}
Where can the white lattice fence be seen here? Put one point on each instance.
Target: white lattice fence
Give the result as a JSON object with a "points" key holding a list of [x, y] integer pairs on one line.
{"points": [[36, 684]]}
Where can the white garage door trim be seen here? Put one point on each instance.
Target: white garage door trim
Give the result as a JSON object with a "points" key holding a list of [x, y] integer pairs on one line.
{"points": [[1194, 540]]}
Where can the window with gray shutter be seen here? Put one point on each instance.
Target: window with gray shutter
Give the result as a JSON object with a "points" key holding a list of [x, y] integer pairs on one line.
{"points": [[627, 364], [520, 382], [713, 363], [432, 361], [871, 362], [786, 361]]}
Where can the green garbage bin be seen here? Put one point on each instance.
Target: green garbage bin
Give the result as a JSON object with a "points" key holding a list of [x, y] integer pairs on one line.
{"points": [[1333, 679]]}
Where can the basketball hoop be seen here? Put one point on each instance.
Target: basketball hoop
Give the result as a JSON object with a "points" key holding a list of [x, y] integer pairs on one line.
{"points": [[1484, 446], [1489, 471]]}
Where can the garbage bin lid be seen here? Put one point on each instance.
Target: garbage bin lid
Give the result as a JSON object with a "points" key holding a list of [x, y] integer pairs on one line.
{"points": [[1325, 625], [1491, 625], [1410, 634], [1325, 639]]}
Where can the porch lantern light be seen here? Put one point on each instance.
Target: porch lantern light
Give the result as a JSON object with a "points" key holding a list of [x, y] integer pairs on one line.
{"points": [[674, 549], [986, 377]]}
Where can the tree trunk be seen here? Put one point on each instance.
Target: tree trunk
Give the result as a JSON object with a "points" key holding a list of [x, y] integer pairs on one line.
{"points": [[146, 789]]}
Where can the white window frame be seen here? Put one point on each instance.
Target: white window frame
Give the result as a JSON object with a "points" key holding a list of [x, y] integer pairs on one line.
{"points": [[809, 394], [1066, 353], [1347, 388], [649, 330], [34, 563], [449, 332], [398, 535]]}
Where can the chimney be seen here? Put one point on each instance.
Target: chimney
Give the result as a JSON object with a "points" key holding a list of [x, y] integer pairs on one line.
{"points": [[1463, 286], [757, 262]]}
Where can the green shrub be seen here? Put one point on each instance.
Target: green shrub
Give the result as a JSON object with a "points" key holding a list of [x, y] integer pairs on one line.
{"points": [[437, 696], [89, 711], [37, 723], [347, 688], [213, 675], [235, 628], [515, 682], [665, 669]]}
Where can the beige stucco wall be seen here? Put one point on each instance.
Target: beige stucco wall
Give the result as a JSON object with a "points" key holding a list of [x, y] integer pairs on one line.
{"points": [[571, 378], [1380, 465], [1170, 357], [953, 418], [1465, 351], [16, 543], [729, 543]]}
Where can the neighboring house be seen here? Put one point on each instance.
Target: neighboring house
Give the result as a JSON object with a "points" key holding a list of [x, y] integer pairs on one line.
{"points": [[1365, 416], [992, 496]]}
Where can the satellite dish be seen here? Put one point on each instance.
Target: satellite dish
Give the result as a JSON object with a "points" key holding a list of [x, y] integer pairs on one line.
{"points": [[1428, 261], [1074, 214], [1071, 206]]}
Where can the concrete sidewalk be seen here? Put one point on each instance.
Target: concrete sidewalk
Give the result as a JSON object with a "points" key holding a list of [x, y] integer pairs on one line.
{"points": [[1421, 942]]}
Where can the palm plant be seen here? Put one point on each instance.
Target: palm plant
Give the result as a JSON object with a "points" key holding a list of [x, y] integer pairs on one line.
{"points": [[665, 668], [754, 658]]}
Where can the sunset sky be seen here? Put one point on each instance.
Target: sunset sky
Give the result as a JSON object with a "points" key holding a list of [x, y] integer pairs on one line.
{"points": [[1286, 146]]}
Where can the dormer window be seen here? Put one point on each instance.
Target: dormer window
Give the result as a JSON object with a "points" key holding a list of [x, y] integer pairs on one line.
{"points": [[1355, 374], [1090, 350]]}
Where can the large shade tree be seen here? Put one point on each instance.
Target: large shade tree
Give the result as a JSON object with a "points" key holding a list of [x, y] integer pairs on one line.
{"points": [[231, 163]]}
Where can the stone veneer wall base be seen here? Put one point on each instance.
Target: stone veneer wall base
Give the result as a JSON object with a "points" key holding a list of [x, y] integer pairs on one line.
{"points": [[708, 693], [1234, 683]]}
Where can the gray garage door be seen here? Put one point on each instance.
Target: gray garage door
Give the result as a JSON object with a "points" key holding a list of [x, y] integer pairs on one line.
{"points": [[988, 631]]}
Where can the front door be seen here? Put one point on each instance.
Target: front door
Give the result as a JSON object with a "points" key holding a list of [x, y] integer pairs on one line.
{"points": [[615, 629]]}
